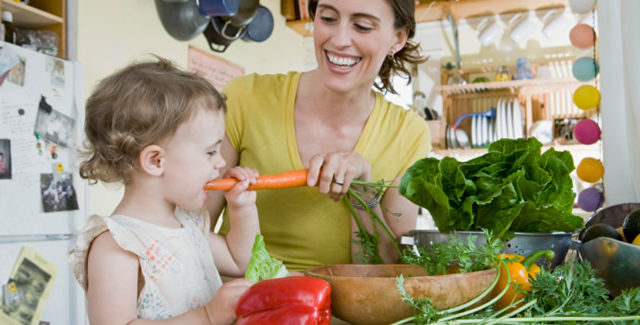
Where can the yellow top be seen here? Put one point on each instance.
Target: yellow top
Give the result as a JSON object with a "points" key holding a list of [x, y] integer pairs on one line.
{"points": [[300, 226]]}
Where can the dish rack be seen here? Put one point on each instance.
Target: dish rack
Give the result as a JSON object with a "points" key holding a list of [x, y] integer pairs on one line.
{"points": [[545, 99]]}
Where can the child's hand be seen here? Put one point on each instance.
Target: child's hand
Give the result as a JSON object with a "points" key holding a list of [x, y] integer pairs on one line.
{"points": [[222, 308], [238, 196]]}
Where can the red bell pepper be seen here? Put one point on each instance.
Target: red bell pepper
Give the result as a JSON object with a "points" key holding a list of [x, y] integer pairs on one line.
{"points": [[299, 300]]}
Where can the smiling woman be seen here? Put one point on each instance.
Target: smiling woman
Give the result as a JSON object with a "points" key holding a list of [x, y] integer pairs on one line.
{"points": [[333, 122]]}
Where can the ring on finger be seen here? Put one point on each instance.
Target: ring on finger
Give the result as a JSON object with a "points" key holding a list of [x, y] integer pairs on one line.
{"points": [[341, 183]]}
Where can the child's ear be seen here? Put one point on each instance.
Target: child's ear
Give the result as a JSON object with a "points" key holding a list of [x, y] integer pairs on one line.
{"points": [[152, 160]]}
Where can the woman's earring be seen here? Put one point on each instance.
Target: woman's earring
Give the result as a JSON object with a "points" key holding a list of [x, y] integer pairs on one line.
{"points": [[391, 54]]}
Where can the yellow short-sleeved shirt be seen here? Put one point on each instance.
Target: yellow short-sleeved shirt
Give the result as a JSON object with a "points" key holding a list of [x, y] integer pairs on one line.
{"points": [[301, 226]]}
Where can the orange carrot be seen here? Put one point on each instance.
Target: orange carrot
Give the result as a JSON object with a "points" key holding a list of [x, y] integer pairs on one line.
{"points": [[292, 178]]}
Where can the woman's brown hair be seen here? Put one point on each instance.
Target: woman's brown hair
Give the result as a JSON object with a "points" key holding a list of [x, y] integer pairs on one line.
{"points": [[137, 106], [401, 62]]}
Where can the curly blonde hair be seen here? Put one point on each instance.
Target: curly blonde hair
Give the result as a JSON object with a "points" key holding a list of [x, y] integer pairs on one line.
{"points": [[137, 106]]}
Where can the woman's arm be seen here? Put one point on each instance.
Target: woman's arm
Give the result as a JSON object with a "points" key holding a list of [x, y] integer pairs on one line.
{"points": [[216, 202], [396, 212]]}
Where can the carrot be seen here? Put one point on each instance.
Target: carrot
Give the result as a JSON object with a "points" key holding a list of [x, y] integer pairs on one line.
{"points": [[292, 178]]}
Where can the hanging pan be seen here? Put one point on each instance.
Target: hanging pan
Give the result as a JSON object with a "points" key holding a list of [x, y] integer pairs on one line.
{"points": [[246, 11], [260, 27], [213, 8], [181, 19], [220, 34]]}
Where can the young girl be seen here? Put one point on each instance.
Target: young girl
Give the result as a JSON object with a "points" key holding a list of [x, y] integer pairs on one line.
{"points": [[157, 130]]}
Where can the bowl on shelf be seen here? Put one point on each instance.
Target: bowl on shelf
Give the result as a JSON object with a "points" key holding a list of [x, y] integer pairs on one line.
{"points": [[367, 293]]}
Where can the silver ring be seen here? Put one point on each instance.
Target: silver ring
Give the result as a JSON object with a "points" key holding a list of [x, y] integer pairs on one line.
{"points": [[338, 182]]}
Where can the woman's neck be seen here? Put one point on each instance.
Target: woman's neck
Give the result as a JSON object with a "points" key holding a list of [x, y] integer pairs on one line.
{"points": [[328, 105]]}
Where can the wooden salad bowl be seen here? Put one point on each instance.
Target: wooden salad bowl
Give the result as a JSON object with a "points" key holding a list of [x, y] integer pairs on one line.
{"points": [[367, 293]]}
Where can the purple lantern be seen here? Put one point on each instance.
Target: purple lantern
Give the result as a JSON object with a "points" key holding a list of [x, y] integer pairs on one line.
{"points": [[590, 199]]}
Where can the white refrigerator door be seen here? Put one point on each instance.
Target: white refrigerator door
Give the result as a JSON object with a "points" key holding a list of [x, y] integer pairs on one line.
{"points": [[66, 302], [27, 217]]}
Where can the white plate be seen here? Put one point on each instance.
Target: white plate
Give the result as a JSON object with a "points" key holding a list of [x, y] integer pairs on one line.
{"points": [[498, 117], [518, 122], [452, 140], [502, 118], [493, 130], [474, 131], [485, 131], [509, 119]]}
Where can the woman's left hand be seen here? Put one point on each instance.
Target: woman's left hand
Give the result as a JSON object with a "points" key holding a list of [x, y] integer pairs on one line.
{"points": [[334, 172]]}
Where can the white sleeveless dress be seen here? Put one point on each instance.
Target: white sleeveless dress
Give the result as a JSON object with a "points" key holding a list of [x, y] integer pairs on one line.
{"points": [[177, 265]]}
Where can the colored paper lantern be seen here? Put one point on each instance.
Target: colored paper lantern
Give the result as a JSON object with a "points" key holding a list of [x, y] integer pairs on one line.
{"points": [[585, 69], [582, 36], [587, 131], [590, 170], [590, 199], [581, 6], [586, 97]]}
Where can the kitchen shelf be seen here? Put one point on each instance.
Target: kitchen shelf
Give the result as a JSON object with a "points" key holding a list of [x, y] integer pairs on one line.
{"points": [[428, 11], [478, 152], [49, 15], [541, 99], [28, 16], [511, 85]]}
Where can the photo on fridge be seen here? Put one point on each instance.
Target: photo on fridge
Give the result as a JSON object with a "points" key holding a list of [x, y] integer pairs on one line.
{"points": [[5, 159], [53, 125], [31, 281], [57, 192]]}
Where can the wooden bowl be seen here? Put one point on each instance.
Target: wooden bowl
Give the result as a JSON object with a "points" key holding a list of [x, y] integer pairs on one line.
{"points": [[367, 293]]}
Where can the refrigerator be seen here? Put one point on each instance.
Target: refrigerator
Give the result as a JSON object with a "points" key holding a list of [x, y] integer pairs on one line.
{"points": [[42, 198]]}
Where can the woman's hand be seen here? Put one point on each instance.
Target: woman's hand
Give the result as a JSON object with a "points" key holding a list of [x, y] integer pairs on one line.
{"points": [[238, 196], [222, 308], [334, 172]]}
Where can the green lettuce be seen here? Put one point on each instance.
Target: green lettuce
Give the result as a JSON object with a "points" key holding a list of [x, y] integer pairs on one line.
{"points": [[261, 265], [513, 187]]}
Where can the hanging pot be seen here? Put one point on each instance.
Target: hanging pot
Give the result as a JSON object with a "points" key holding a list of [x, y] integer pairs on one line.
{"points": [[181, 19], [245, 14], [260, 27], [212, 8], [221, 34]]}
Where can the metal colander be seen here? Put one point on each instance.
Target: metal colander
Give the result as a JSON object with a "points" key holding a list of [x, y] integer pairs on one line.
{"points": [[523, 243]]}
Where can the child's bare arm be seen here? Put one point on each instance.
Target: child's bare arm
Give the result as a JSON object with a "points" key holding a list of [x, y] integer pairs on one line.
{"points": [[232, 253], [113, 290]]}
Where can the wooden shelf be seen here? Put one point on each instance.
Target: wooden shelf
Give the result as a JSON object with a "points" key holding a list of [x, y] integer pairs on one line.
{"points": [[511, 85], [435, 10], [478, 152], [438, 10], [302, 27], [49, 15], [30, 17]]}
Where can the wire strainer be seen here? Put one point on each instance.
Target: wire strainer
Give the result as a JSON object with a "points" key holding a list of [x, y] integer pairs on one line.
{"points": [[523, 243]]}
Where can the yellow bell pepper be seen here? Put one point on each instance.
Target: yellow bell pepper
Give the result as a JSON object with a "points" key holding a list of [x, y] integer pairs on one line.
{"points": [[520, 269]]}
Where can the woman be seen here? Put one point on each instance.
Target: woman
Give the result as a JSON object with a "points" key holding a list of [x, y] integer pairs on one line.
{"points": [[331, 121]]}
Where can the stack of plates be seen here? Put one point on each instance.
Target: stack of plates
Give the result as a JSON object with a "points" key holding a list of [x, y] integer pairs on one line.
{"points": [[509, 119], [483, 131]]}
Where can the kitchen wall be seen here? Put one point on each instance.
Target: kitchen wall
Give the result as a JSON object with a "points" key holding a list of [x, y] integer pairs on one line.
{"points": [[110, 34]]}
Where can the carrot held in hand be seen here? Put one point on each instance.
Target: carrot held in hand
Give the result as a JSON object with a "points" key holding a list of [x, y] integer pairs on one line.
{"points": [[292, 178]]}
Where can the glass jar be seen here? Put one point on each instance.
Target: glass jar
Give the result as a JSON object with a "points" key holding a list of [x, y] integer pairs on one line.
{"points": [[523, 69], [503, 73]]}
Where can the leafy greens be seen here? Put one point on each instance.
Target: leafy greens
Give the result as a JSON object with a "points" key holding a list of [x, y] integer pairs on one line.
{"points": [[513, 187], [261, 265]]}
